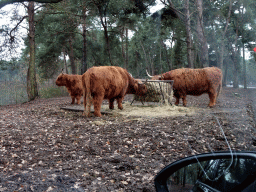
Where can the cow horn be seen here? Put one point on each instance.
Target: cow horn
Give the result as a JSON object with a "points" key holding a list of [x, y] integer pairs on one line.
{"points": [[131, 75], [148, 74], [62, 70]]}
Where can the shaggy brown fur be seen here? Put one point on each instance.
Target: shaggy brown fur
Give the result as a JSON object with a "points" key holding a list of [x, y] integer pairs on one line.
{"points": [[108, 82], [195, 82], [73, 84]]}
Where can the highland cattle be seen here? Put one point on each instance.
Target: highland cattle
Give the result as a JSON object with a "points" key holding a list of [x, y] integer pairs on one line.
{"points": [[73, 83], [108, 82], [194, 82]]}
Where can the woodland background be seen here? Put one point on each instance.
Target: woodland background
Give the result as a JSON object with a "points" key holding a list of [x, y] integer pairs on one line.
{"points": [[75, 35]]}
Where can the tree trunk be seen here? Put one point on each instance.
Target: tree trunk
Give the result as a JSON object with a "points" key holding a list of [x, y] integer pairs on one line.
{"points": [[148, 63], [31, 75], [65, 61], [84, 60], [126, 48], [223, 36], [188, 30], [224, 82], [244, 65], [201, 37], [71, 57], [171, 57], [244, 70], [137, 63], [104, 25], [122, 39], [151, 63], [215, 47], [166, 54], [235, 73], [235, 53], [235, 83], [102, 9], [160, 57]]}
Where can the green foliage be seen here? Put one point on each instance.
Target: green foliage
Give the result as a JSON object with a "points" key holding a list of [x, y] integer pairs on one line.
{"points": [[11, 65], [180, 47], [53, 91], [11, 70], [6, 2], [156, 42]]}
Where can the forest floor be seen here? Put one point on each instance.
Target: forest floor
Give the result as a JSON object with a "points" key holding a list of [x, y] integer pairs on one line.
{"points": [[46, 148]]}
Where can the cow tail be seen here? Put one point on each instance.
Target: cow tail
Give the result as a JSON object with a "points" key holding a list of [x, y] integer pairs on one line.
{"points": [[87, 94]]}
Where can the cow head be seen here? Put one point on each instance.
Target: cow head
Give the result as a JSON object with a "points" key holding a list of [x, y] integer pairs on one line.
{"points": [[140, 87], [61, 80]]}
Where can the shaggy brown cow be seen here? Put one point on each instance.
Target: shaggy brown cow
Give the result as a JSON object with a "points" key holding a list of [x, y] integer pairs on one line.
{"points": [[73, 84], [195, 82], [108, 82]]}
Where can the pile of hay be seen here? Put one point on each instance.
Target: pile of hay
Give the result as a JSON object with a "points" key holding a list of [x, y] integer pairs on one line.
{"points": [[157, 92], [153, 111]]}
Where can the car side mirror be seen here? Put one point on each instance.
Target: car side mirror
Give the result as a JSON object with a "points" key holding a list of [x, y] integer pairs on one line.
{"points": [[218, 171]]}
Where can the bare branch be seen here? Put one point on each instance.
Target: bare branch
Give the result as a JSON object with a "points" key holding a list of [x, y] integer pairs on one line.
{"points": [[16, 26]]}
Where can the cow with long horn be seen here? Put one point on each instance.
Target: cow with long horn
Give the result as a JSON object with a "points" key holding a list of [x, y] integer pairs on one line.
{"points": [[108, 82], [194, 82]]}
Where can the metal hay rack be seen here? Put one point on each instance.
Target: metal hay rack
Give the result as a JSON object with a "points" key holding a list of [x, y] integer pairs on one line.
{"points": [[158, 91]]}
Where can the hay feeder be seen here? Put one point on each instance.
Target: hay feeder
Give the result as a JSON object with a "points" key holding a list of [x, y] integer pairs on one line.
{"points": [[158, 91]]}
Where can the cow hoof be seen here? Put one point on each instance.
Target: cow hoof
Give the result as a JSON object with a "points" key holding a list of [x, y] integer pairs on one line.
{"points": [[211, 105], [97, 114]]}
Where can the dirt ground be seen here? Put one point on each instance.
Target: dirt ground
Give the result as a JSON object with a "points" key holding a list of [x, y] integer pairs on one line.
{"points": [[46, 148]]}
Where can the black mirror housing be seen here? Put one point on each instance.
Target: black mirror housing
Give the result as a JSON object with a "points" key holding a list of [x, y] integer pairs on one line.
{"points": [[165, 176]]}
